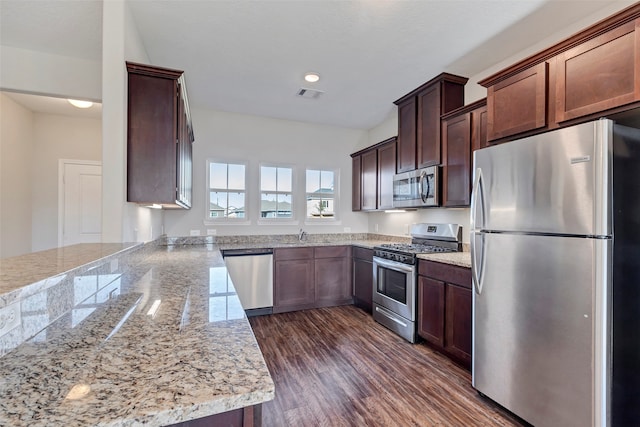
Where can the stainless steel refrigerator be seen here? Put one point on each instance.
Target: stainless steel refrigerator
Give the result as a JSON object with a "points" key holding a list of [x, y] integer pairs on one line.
{"points": [[555, 245]]}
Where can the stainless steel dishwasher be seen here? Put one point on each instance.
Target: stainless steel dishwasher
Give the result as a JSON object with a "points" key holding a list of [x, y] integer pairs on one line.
{"points": [[251, 271]]}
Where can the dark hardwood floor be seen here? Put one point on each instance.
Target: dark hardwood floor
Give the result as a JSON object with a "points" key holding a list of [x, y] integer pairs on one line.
{"points": [[337, 367]]}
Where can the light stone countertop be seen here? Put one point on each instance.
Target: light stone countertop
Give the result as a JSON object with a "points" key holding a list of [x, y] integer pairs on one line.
{"points": [[26, 270], [109, 362], [461, 259]]}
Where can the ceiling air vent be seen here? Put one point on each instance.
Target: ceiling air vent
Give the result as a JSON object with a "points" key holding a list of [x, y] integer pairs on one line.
{"points": [[309, 93]]}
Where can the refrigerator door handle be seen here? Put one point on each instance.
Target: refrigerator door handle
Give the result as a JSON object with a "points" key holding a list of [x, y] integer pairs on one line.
{"points": [[477, 261], [477, 197]]}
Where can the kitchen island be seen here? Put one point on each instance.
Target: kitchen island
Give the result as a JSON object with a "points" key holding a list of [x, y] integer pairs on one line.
{"points": [[163, 342]]}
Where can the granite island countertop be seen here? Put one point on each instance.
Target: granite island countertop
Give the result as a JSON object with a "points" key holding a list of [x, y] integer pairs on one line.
{"points": [[113, 361]]}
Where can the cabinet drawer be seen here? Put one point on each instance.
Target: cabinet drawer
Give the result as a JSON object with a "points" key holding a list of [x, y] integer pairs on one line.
{"points": [[460, 276], [363, 253], [281, 254], [333, 251]]}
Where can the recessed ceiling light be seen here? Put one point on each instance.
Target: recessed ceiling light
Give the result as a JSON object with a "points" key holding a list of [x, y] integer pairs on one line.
{"points": [[312, 77], [80, 104]]}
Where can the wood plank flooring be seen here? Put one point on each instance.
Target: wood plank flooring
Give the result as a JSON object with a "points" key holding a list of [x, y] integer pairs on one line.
{"points": [[337, 367]]}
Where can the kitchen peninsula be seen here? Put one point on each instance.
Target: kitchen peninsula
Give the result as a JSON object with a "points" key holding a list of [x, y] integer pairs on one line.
{"points": [[137, 334], [162, 342]]}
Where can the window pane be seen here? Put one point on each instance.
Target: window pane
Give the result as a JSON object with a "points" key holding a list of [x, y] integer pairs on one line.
{"points": [[326, 181], [236, 205], [284, 206], [284, 179], [236, 177], [218, 175], [267, 178], [268, 205], [313, 180], [217, 204]]}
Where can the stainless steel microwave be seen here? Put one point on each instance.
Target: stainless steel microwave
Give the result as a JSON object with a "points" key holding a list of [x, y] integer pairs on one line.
{"points": [[418, 188]]}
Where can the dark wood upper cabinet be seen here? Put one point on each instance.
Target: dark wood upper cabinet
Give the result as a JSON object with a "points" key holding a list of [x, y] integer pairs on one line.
{"points": [[369, 180], [462, 130], [406, 136], [419, 143], [373, 170], [356, 183], [518, 104], [386, 170], [593, 73], [159, 137], [600, 74]]}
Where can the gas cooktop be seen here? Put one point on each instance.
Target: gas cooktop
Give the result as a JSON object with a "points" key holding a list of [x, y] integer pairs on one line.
{"points": [[414, 248]]}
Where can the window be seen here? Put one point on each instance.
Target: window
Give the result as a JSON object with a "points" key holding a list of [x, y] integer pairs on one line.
{"points": [[226, 190], [321, 197], [276, 192]]}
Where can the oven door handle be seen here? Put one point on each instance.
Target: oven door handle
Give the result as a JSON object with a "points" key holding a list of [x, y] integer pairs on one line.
{"points": [[393, 265]]}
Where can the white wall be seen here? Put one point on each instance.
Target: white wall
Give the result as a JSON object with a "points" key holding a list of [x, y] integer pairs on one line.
{"points": [[121, 221], [229, 136], [23, 70], [16, 152], [57, 137]]}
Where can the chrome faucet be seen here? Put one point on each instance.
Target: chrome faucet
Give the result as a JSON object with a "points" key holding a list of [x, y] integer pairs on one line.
{"points": [[301, 235]]}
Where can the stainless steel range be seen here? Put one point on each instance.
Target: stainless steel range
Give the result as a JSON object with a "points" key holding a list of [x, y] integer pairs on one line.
{"points": [[395, 274]]}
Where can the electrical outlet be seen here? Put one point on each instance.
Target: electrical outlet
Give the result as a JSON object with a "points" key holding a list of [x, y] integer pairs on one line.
{"points": [[376, 228], [406, 229], [114, 265], [194, 233], [9, 317], [347, 229], [211, 231]]}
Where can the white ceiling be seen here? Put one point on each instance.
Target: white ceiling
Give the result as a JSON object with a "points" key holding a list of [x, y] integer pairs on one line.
{"points": [[50, 105], [250, 56]]}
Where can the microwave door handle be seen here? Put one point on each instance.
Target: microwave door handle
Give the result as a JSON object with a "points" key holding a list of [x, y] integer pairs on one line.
{"points": [[424, 194]]}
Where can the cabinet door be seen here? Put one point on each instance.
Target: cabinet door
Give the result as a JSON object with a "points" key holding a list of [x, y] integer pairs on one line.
{"points": [[386, 170], [294, 287], [456, 185], [333, 281], [479, 129], [370, 180], [431, 308], [518, 104], [407, 136], [363, 284], [356, 184], [428, 132], [458, 323], [600, 74], [151, 147]]}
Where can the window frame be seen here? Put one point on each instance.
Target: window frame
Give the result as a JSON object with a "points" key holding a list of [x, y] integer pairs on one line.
{"points": [[247, 194], [335, 219], [293, 220]]}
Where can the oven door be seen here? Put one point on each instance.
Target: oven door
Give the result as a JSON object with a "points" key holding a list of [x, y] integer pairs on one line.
{"points": [[394, 285]]}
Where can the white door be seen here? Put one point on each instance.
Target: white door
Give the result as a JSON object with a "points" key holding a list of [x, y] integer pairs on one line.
{"points": [[80, 202]]}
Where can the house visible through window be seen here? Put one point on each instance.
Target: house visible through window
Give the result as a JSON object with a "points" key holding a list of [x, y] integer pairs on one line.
{"points": [[321, 195], [226, 190], [276, 192]]}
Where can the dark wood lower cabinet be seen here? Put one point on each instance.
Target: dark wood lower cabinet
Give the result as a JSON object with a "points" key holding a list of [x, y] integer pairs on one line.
{"points": [[332, 276], [431, 309], [363, 278], [311, 278], [444, 309], [458, 323], [251, 416]]}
